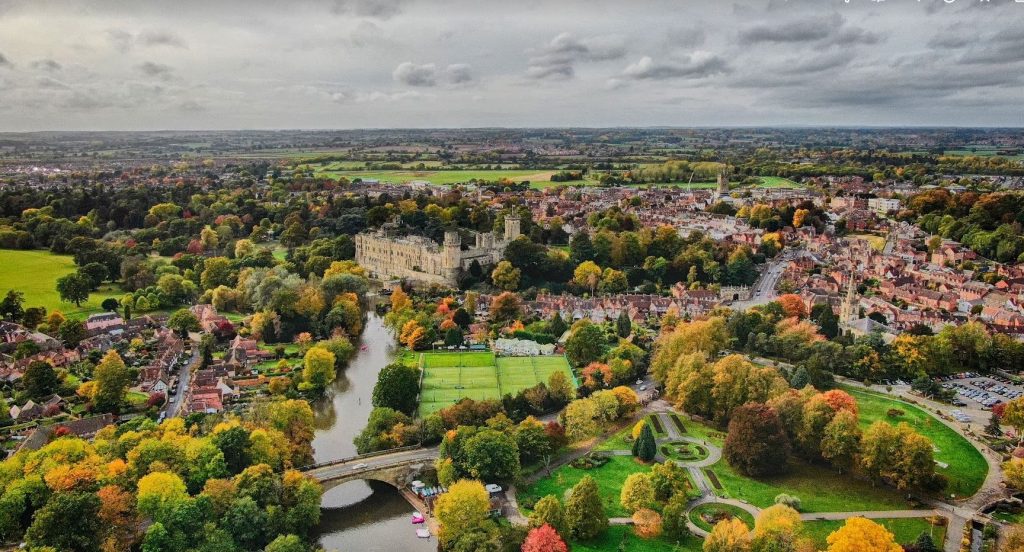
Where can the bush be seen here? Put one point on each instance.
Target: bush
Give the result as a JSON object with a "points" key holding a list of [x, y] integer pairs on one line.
{"points": [[788, 500], [590, 461], [894, 413]]}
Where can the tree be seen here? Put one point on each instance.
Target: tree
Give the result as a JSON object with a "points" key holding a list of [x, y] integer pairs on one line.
{"points": [[159, 493], [506, 307], [505, 276], [559, 388], [544, 539], [587, 275], [74, 288], [294, 418], [491, 455], [557, 326], [110, 304], [924, 543], [584, 513], [11, 307], [862, 535], [183, 321], [637, 492], [286, 543], [585, 344], [756, 444], [464, 508], [647, 523], [793, 305], [95, 273], [841, 441], [68, 522], [548, 511], [674, 518], [1013, 470], [897, 455], [40, 380], [730, 535], [776, 528], [645, 447], [1013, 416], [71, 332], [318, 367], [623, 325], [112, 379], [453, 337], [397, 387]]}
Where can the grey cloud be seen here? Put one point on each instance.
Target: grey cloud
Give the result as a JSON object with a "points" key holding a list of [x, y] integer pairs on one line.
{"points": [[557, 59], [161, 38], [849, 36], [415, 75], [4, 62], [459, 73], [121, 40], [802, 30], [951, 38], [153, 69], [51, 84], [819, 64], [46, 65], [379, 9], [191, 106], [696, 67], [688, 37], [1006, 46]]}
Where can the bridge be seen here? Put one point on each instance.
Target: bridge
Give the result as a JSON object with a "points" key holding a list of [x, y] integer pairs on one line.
{"points": [[396, 467]]}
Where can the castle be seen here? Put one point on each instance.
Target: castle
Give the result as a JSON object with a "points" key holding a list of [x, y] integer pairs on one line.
{"points": [[421, 260]]}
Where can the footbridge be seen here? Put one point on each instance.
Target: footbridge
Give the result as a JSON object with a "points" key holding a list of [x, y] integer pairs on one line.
{"points": [[397, 467]]}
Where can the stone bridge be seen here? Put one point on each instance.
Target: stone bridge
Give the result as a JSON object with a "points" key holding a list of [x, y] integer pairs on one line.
{"points": [[397, 467]]}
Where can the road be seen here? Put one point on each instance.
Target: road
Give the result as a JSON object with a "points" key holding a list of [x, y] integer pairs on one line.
{"points": [[184, 380], [764, 287], [347, 466]]}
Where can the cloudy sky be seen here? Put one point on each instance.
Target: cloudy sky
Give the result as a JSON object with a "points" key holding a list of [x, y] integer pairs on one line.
{"points": [[232, 64]]}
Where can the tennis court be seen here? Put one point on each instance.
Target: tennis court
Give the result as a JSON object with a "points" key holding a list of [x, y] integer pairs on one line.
{"points": [[449, 377]]}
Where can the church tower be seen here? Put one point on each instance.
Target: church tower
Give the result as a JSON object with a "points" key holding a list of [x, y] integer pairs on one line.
{"points": [[723, 184], [848, 311], [512, 227]]}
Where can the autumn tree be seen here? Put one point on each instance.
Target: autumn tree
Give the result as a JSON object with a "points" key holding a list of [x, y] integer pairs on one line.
{"points": [[793, 305], [637, 492], [584, 513], [841, 441], [730, 535], [505, 276], [897, 455], [862, 535], [587, 275], [318, 367], [506, 307], [461, 510], [776, 528], [1013, 416], [647, 523], [756, 443], [544, 539]]}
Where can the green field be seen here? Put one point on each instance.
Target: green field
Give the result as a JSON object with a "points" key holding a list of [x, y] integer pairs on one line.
{"points": [[967, 467], [446, 177], [906, 530], [449, 377], [777, 182], [622, 538], [35, 273], [609, 479]]}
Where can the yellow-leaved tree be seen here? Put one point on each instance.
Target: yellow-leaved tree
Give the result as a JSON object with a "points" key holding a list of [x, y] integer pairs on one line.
{"points": [[862, 535], [464, 508]]}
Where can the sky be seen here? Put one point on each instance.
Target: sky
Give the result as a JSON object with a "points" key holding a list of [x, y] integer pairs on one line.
{"points": [[262, 64]]}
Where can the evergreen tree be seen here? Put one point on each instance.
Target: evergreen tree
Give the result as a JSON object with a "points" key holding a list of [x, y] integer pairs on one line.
{"points": [[580, 248], [584, 513], [645, 447], [557, 326], [924, 543], [993, 427], [623, 325]]}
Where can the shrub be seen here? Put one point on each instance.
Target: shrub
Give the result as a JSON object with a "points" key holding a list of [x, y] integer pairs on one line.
{"points": [[788, 500], [894, 413]]}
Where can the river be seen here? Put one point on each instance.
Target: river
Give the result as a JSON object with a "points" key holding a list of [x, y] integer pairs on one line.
{"points": [[360, 515]]}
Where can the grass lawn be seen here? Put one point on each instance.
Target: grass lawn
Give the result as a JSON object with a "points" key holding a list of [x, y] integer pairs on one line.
{"points": [[621, 537], [777, 182], [136, 398], [622, 440], [820, 489], [906, 530], [35, 274], [876, 242], [609, 479], [447, 177], [718, 512], [449, 377], [966, 469]]}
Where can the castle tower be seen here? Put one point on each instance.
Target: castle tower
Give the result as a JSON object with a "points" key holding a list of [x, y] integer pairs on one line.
{"points": [[512, 227], [723, 184], [452, 260], [848, 311]]}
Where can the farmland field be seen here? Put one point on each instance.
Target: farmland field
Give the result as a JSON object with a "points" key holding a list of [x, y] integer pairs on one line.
{"points": [[446, 177], [35, 273], [449, 377]]}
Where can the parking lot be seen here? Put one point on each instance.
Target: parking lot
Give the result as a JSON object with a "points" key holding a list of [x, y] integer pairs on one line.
{"points": [[977, 391]]}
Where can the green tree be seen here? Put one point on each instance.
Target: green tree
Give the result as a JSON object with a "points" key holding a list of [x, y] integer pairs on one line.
{"points": [[584, 513], [841, 441], [112, 379], [549, 510], [74, 288], [11, 307], [623, 325], [71, 332], [505, 276], [183, 321], [673, 518], [637, 492], [586, 344], [286, 543], [95, 273], [68, 522], [645, 447], [39, 380], [462, 510], [491, 455], [318, 367], [557, 326], [397, 387]]}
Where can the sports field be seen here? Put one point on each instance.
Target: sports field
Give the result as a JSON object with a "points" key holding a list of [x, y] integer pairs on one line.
{"points": [[449, 377]]}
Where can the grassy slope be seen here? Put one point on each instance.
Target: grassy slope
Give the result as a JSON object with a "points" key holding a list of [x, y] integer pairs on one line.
{"points": [[35, 273], [777, 182], [967, 467], [609, 479]]}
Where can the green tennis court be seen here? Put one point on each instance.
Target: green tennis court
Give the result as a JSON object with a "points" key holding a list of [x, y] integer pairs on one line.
{"points": [[449, 377]]}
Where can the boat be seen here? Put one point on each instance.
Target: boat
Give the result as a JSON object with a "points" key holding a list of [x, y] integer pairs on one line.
{"points": [[417, 518], [363, 347], [423, 533]]}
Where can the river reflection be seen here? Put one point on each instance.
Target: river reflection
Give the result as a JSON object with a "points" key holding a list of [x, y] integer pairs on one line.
{"points": [[360, 515]]}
